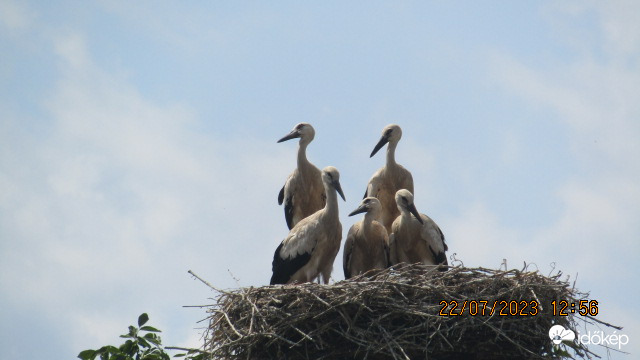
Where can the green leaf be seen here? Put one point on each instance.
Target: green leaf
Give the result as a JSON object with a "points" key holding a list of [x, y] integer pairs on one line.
{"points": [[127, 347], [142, 319], [87, 355], [152, 357], [110, 349], [152, 338], [150, 328], [144, 342], [133, 331]]}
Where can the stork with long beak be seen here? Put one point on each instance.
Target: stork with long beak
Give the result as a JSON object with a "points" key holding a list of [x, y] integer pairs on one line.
{"points": [[311, 247], [416, 238], [303, 192], [390, 178], [367, 244]]}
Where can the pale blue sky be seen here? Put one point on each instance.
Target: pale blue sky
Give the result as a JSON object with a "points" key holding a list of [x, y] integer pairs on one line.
{"points": [[138, 141]]}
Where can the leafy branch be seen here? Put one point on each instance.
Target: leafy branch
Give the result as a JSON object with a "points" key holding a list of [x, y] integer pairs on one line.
{"points": [[143, 343]]}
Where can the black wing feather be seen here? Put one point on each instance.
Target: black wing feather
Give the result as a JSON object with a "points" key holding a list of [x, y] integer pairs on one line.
{"points": [[288, 212], [446, 248], [347, 273], [387, 254], [283, 269], [281, 196], [441, 258]]}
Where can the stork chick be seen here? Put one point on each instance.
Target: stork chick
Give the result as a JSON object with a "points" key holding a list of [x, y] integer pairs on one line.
{"points": [[367, 245], [390, 178], [303, 192], [311, 247], [415, 238]]}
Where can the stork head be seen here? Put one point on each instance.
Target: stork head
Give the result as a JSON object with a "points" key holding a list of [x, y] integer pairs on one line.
{"points": [[331, 177], [368, 205], [404, 200], [390, 134], [304, 131]]}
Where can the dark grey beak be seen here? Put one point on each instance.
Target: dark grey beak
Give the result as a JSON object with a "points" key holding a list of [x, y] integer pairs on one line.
{"points": [[292, 135], [336, 185], [415, 213], [362, 208], [383, 140]]}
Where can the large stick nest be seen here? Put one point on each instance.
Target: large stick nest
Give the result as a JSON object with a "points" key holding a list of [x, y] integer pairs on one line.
{"points": [[392, 314]]}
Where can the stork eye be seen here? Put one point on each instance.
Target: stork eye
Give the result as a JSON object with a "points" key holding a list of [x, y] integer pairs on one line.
{"points": [[299, 127], [388, 132]]}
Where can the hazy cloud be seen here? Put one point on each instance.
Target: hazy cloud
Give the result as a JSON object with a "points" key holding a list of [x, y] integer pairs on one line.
{"points": [[596, 96], [119, 194], [15, 15]]}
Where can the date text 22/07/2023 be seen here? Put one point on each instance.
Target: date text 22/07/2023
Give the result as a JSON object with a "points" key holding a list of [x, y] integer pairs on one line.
{"points": [[515, 308]]}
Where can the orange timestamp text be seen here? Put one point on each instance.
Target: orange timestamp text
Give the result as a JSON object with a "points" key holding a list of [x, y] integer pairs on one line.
{"points": [[490, 308], [516, 308]]}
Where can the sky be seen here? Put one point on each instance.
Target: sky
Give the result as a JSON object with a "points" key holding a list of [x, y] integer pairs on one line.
{"points": [[138, 141]]}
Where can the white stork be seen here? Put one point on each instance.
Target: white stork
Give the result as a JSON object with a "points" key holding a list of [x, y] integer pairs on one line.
{"points": [[312, 245], [367, 244], [390, 178], [415, 238], [303, 192]]}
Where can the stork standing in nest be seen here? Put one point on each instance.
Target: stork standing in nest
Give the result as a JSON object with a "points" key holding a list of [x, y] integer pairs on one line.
{"points": [[415, 237], [311, 247], [367, 244], [390, 178], [303, 192]]}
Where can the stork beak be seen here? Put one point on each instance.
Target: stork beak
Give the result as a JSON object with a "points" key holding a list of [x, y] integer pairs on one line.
{"points": [[336, 184], [362, 208], [292, 135], [415, 213], [383, 140]]}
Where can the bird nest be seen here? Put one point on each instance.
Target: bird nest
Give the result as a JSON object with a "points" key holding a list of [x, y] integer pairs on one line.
{"points": [[405, 312]]}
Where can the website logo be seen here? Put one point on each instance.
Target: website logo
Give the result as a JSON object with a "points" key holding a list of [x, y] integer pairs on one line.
{"points": [[558, 334]]}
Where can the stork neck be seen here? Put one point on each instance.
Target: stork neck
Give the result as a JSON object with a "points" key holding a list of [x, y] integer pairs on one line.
{"points": [[302, 153], [406, 214], [367, 222], [391, 153], [331, 207]]}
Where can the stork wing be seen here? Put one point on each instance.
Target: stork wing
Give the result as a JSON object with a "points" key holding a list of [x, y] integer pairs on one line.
{"points": [[293, 252], [287, 196], [283, 268], [434, 237], [387, 249], [281, 196], [393, 256], [406, 180], [348, 251], [288, 212]]}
